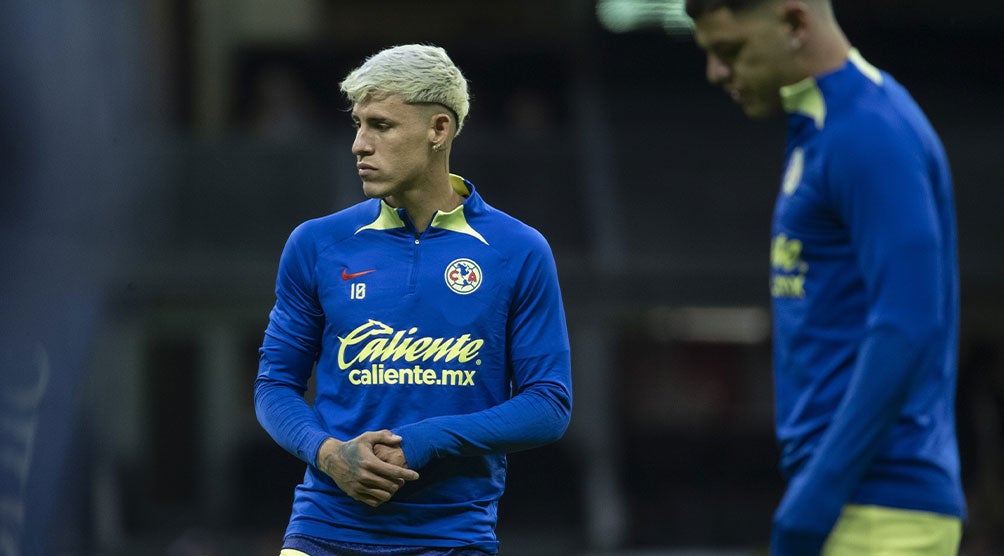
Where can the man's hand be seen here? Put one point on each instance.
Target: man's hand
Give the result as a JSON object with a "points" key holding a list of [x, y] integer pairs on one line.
{"points": [[360, 472], [390, 453]]}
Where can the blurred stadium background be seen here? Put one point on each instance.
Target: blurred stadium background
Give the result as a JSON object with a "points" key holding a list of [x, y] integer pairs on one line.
{"points": [[156, 155]]}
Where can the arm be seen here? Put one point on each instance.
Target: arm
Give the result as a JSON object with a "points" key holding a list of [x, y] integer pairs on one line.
{"points": [[540, 409], [288, 352], [813, 500], [883, 195], [279, 404], [536, 416], [354, 465], [287, 358]]}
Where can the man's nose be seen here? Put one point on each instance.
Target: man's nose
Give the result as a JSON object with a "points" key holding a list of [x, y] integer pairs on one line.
{"points": [[717, 71], [360, 145]]}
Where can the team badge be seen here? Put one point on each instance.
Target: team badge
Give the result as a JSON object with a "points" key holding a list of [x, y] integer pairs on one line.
{"points": [[463, 276]]}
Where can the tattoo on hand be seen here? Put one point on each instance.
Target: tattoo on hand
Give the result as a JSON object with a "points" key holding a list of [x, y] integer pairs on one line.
{"points": [[350, 455]]}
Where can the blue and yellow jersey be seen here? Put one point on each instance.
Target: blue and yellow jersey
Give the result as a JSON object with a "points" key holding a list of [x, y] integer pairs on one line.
{"points": [[454, 338], [865, 291]]}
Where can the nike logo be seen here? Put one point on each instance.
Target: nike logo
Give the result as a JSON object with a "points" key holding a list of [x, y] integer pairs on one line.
{"points": [[350, 275]]}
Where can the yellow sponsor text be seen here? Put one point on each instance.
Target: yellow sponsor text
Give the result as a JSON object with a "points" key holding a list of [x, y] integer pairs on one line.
{"points": [[788, 278], [787, 286], [785, 254], [378, 374], [375, 342]]}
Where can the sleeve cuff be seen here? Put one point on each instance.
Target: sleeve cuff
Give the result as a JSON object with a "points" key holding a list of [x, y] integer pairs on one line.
{"points": [[796, 543], [416, 444]]}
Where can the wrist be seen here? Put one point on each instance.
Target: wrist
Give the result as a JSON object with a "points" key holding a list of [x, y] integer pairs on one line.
{"points": [[328, 447], [789, 542]]}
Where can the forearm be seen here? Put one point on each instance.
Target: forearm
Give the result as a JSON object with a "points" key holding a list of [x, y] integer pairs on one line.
{"points": [[870, 407], [537, 416], [289, 419]]}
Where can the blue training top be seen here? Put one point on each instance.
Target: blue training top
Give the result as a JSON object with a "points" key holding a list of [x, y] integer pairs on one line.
{"points": [[455, 339], [865, 289]]}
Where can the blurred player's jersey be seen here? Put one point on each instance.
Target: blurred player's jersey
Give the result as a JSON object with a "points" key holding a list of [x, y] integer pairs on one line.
{"points": [[863, 239]]}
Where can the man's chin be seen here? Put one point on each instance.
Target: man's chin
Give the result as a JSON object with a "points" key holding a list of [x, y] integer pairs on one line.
{"points": [[375, 190], [760, 111]]}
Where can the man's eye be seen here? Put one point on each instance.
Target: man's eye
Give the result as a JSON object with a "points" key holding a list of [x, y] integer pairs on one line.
{"points": [[728, 53]]}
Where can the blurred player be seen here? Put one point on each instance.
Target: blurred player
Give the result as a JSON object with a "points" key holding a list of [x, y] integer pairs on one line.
{"points": [[437, 329], [864, 282]]}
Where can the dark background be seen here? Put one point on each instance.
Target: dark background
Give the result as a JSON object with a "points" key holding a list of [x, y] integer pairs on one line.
{"points": [[157, 154]]}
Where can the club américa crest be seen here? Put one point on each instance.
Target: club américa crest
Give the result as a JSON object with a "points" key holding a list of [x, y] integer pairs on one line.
{"points": [[463, 276]]}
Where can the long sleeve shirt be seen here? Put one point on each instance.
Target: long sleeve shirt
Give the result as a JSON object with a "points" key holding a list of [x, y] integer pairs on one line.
{"points": [[453, 338], [865, 290]]}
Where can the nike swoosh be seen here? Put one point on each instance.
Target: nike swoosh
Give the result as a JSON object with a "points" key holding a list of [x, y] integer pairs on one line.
{"points": [[350, 275]]}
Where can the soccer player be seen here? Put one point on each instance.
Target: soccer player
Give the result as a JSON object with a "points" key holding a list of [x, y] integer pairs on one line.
{"points": [[436, 326], [864, 280]]}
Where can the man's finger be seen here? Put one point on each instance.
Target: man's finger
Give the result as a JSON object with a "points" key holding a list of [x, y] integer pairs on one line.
{"points": [[391, 471], [385, 437], [377, 482]]}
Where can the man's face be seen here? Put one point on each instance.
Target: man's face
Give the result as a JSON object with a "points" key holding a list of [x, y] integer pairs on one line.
{"points": [[393, 145], [749, 55]]}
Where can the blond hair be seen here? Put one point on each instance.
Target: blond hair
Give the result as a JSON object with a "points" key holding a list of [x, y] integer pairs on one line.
{"points": [[418, 73]]}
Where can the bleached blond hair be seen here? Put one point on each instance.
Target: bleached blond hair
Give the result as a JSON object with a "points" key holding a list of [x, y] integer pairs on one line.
{"points": [[418, 73]]}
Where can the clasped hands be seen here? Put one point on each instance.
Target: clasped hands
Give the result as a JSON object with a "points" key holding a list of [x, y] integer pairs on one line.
{"points": [[370, 468]]}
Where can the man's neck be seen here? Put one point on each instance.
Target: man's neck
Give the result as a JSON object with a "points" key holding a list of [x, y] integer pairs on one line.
{"points": [[827, 52], [422, 204]]}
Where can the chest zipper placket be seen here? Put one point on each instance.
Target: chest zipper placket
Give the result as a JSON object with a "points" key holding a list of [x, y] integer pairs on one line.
{"points": [[416, 258]]}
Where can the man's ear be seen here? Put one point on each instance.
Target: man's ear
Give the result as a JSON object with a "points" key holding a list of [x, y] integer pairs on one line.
{"points": [[796, 15], [442, 124]]}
